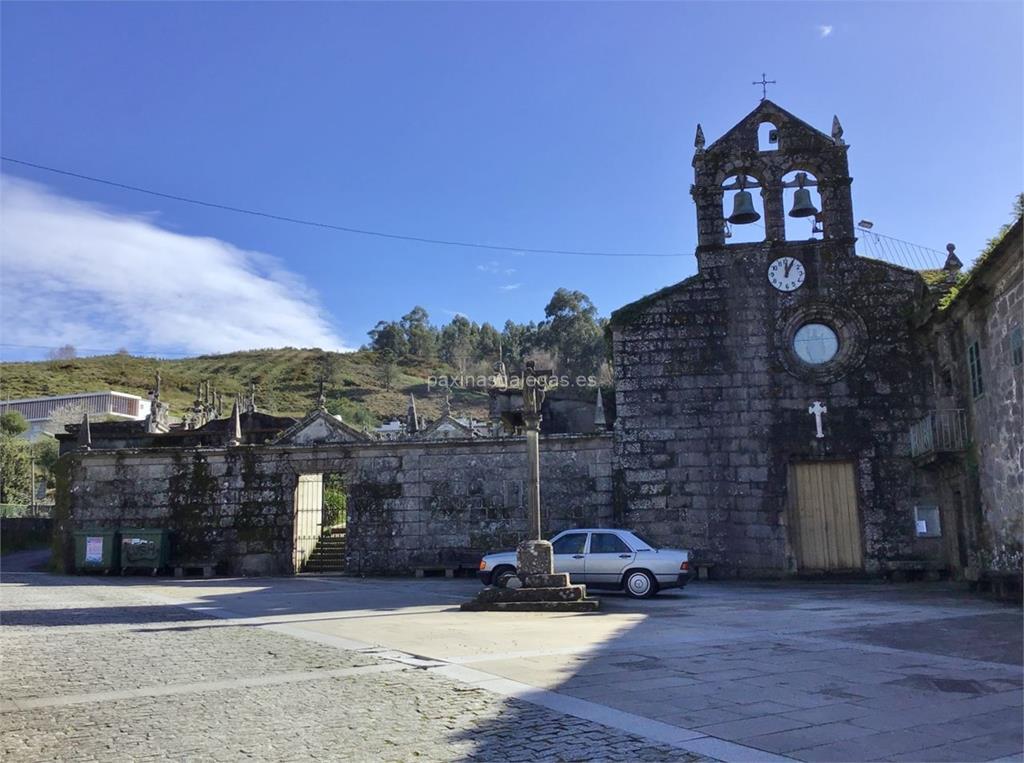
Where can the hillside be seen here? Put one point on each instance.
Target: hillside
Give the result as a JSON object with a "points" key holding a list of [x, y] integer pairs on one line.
{"points": [[286, 382]]}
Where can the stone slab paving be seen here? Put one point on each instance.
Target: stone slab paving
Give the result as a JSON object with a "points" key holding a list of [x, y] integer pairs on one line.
{"points": [[732, 671], [945, 685], [95, 671]]}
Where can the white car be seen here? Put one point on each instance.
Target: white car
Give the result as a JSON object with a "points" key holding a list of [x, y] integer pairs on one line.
{"points": [[603, 558]]}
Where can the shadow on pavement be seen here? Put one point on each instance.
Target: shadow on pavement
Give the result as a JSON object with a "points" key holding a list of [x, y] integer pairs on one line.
{"points": [[813, 671]]}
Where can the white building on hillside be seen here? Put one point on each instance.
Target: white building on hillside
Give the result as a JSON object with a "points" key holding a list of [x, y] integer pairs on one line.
{"points": [[113, 405]]}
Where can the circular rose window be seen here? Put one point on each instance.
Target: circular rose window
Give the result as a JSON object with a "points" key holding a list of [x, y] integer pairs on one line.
{"points": [[815, 343]]}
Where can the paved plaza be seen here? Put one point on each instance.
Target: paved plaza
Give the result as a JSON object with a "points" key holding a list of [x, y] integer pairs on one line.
{"points": [[389, 669]]}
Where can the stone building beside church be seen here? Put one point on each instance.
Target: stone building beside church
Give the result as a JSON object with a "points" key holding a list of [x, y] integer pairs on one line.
{"points": [[764, 413]]}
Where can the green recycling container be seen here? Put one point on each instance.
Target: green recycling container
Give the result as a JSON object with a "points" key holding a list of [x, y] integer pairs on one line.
{"points": [[96, 550], [144, 549]]}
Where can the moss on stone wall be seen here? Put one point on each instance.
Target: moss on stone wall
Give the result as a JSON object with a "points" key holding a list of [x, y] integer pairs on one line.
{"points": [[192, 495], [62, 551]]}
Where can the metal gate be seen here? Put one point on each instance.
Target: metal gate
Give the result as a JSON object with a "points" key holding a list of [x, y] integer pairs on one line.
{"points": [[309, 518], [826, 527]]}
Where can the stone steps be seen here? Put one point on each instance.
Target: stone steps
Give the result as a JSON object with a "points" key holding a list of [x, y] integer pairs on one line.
{"points": [[328, 556], [583, 605], [563, 593]]}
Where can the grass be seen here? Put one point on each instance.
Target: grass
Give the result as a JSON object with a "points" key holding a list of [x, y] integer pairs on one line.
{"points": [[286, 381]]}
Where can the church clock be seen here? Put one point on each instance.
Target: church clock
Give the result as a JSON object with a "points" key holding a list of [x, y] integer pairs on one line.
{"points": [[786, 274]]}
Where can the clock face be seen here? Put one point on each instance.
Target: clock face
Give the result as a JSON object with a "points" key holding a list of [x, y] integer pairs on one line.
{"points": [[786, 274]]}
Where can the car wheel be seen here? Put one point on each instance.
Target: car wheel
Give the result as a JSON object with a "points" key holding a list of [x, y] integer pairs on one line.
{"points": [[640, 584], [503, 575]]}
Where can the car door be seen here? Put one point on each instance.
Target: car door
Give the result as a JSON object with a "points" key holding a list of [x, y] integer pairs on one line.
{"points": [[607, 558], [570, 555]]}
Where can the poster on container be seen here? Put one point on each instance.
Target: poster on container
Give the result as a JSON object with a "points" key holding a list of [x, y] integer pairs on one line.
{"points": [[94, 549]]}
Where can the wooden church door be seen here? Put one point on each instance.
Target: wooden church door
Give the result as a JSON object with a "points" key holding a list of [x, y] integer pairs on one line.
{"points": [[823, 505]]}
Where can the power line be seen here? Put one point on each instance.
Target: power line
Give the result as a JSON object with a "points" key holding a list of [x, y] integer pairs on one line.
{"points": [[882, 246], [331, 226]]}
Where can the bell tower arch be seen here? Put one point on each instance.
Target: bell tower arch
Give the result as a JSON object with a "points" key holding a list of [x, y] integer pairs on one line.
{"points": [[768, 152]]}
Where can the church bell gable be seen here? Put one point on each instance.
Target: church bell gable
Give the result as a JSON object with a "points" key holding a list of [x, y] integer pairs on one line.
{"points": [[767, 152]]}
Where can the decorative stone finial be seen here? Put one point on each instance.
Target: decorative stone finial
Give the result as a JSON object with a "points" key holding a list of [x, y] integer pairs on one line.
{"points": [[412, 422], [837, 131], [953, 263], [447, 403], [321, 397], [698, 141], [236, 425], [600, 422], [156, 421], [84, 433], [251, 403]]}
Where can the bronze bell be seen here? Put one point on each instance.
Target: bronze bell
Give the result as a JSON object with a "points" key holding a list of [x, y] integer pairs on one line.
{"points": [[743, 211], [802, 205]]}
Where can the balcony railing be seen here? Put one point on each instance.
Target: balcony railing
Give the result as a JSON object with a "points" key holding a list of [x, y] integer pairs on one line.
{"points": [[939, 432]]}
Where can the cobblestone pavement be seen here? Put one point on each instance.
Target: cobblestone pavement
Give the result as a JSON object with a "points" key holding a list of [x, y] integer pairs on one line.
{"points": [[100, 672]]}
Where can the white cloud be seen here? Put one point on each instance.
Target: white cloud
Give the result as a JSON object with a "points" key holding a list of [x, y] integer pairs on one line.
{"points": [[76, 273], [510, 286], [494, 267], [824, 30]]}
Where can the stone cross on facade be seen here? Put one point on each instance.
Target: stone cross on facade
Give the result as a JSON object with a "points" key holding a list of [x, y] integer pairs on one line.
{"points": [[817, 409]]}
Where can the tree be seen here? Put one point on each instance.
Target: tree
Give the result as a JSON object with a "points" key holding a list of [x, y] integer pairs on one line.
{"points": [[387, 367], [389, 336], [488, 343], [458, 342], [15, 469], [65, 352], [335, 501], [13, 423], [420, 336], [518, 340], [45, 451], [573, 333]]}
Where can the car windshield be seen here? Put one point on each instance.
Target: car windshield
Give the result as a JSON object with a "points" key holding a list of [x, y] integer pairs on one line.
{"points": [[644, 540]]}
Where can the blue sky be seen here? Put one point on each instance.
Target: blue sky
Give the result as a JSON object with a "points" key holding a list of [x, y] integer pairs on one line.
{"points": [[543, 125]]}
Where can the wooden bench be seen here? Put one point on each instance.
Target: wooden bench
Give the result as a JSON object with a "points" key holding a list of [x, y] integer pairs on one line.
{"points": [[436, 571], [194, 569]]}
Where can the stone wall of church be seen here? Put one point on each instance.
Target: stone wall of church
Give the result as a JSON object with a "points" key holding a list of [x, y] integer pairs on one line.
{"points": [[409, 504], [998, 419], [713, 408]]}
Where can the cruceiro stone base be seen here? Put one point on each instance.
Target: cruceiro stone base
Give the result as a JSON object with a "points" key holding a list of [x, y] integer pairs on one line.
{"points": [[543, 590]]}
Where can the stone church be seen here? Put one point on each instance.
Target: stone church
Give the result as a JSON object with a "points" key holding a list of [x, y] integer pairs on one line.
{"points": [[716, 376], [778, 413]]}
